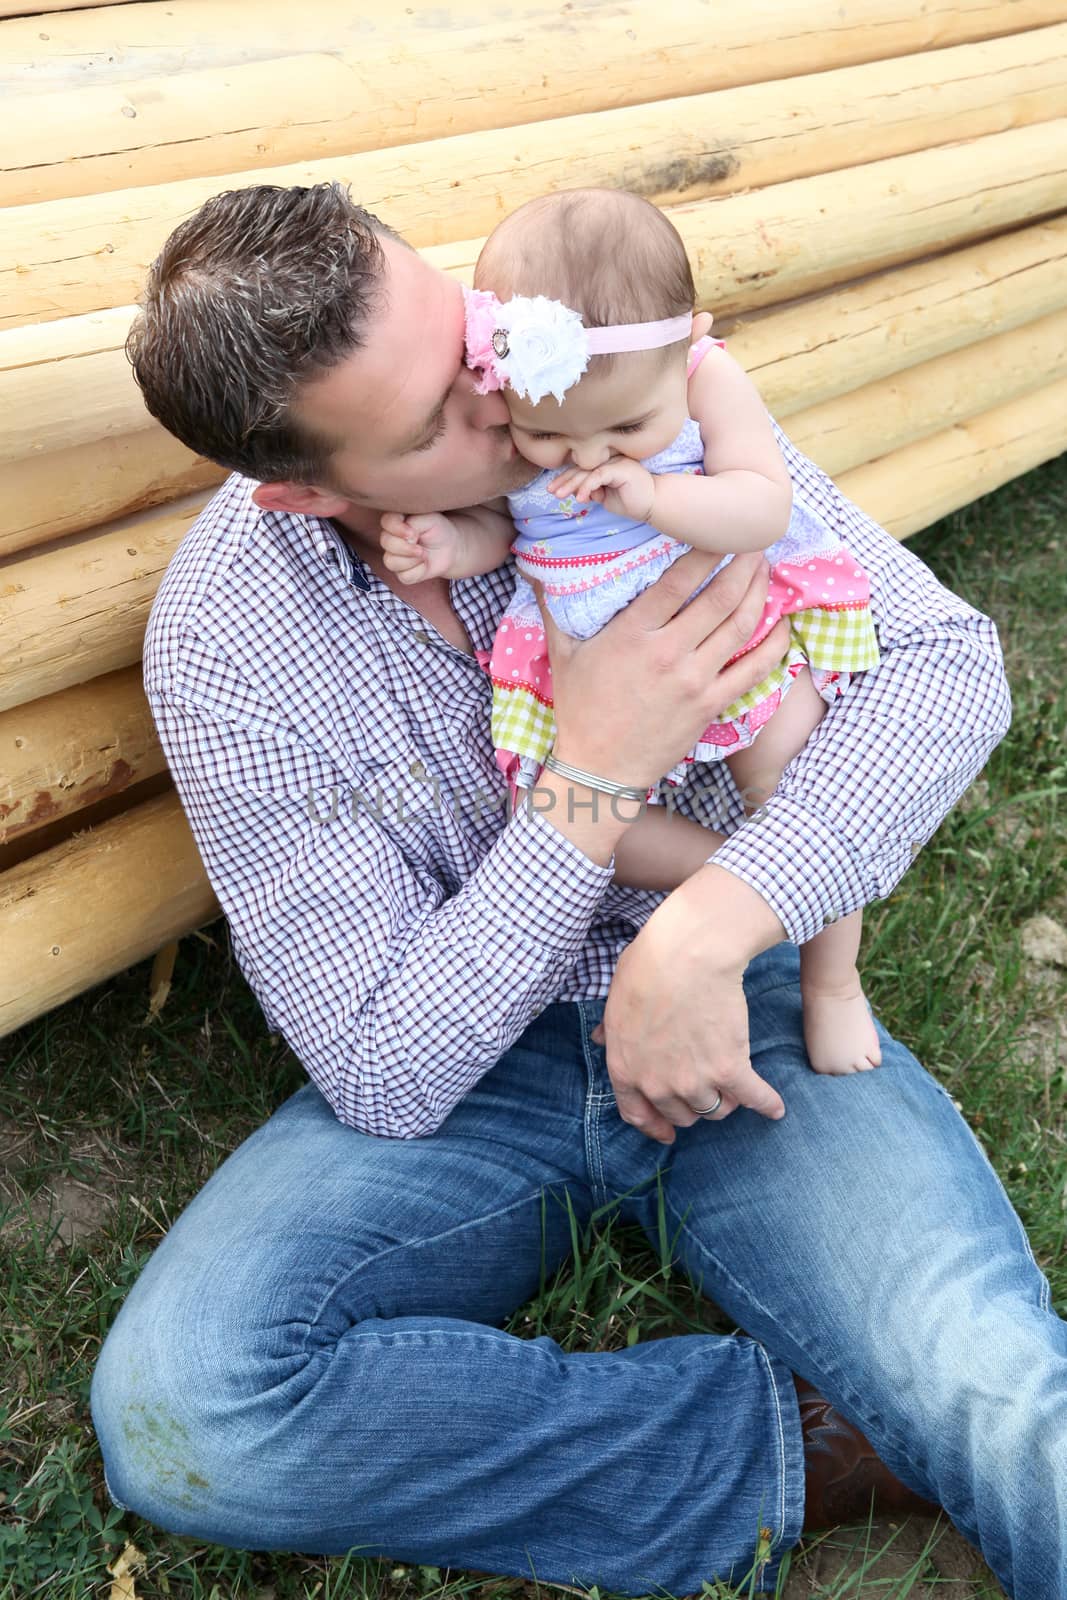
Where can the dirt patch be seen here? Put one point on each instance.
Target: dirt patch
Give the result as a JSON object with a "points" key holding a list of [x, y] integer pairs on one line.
{"points": [[1044, 941], [69, 1205], [921, 1559]]}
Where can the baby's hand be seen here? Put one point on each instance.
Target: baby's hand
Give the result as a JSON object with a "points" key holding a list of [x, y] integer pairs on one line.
{"points": [[420, 547], [621, 486]]}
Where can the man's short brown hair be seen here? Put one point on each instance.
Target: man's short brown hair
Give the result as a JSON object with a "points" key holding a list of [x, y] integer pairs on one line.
{"points": [[257, 292]]}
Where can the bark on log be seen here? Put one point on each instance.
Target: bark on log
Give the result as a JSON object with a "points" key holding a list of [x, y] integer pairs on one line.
{"points": [[911, 488], [800, 356], [142, 879], [49, 834], [753, 250], [67, 751], [667, 48], [78, 608], [885, 416], [310, 116]]}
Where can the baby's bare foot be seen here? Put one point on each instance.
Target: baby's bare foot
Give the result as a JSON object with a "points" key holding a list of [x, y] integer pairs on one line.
{"points": [[838, 1030]]}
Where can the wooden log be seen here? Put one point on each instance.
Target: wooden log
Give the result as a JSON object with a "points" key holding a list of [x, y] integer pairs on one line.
{"points": [[65, 257], [800, 356], [77, 445], [40, 8], [753, 250], [66, 491], [65, 752], [142, 878], [911, 488], [747, 249], [64, 827], [668, 49], [884, 416], [321, 111], [35, 412], [854, 334], [78, 608]]}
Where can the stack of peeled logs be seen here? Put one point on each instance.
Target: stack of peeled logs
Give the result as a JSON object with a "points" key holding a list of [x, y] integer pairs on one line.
{"points": [[874, 198]]}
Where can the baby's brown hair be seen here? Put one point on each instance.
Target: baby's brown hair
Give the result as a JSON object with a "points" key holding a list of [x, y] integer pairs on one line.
{"points": [[606, 253]]}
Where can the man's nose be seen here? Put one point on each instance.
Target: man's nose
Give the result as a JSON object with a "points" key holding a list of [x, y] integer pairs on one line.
{"points": [[589, 455], [486, 410]]}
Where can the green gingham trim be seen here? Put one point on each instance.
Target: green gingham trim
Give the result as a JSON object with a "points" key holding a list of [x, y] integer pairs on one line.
{"points": [[764, 689], [829, 641], [837, 641], [521, 724]]}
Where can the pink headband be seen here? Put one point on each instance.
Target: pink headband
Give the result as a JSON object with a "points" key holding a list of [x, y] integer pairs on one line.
{"points": [[538, 346], [626, 336]]}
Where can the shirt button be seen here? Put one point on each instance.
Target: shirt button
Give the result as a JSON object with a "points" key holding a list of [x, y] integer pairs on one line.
{"points": [[831, 916], [916, 847], [417, 769], [421, 636]]}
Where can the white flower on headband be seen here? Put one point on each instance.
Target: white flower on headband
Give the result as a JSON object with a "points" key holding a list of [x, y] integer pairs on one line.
{"points": [[541, 347], [538, 346]]}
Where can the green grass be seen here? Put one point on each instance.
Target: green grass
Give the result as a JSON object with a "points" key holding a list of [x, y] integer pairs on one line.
{"points": [[129, 1119]]}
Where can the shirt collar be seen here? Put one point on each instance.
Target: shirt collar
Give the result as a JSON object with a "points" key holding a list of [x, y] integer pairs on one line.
{"points": [[336, 552]]}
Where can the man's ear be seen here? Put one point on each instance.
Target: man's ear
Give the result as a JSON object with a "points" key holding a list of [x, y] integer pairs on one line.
{"points": [[303, 498]]}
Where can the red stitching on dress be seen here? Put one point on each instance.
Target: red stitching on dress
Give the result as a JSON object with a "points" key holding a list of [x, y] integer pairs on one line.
{"points": [[608, 577], [516, 688], [567, 561]]}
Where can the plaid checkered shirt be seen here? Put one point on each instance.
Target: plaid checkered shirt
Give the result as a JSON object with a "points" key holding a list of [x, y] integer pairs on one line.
{"points": [[333, 755]]}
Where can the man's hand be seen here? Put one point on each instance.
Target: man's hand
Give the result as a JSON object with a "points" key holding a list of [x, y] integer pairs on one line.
{"points": [[419, 547], [676, 1019], [630, 701], [621, 486]]}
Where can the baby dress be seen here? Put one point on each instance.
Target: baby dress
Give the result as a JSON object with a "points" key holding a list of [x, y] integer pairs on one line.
{"points": [[592, 563]]}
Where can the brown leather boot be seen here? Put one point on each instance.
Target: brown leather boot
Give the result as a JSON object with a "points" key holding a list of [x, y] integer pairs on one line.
{"points": [[843, 1478]]}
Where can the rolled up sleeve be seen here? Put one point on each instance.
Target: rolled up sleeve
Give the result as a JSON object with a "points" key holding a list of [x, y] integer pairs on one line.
{"points": [[891, 756], [395, 995]]}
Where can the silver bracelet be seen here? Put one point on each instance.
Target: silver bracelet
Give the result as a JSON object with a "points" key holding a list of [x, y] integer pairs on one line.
{"points": [[565, 770]]}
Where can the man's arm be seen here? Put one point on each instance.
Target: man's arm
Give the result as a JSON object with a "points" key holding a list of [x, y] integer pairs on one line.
{"points": [[891, 757], [394, 996], [396, 986], [853, 808]]}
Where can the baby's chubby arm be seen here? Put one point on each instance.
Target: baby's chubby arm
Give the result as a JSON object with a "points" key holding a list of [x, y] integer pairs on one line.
{"points": [[460, 545], [745, 497]]}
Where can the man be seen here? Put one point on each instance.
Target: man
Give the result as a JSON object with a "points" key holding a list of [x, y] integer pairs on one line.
{"points": [[313, 1358]]}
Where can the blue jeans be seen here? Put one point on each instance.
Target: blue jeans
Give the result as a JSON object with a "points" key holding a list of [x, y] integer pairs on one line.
{"points": [[312, 1359]]}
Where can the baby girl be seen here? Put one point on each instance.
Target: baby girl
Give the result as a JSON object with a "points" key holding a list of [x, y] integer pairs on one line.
{"points": [[652, 441]]}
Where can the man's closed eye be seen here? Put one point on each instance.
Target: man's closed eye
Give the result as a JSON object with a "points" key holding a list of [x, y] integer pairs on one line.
{"points": [[435, 436]]}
